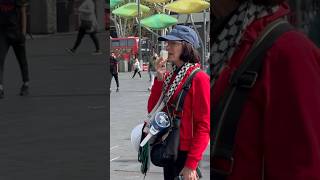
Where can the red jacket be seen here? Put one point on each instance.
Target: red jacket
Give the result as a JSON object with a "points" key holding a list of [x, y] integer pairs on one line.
{"points": [[280, 121], [195, 118]]}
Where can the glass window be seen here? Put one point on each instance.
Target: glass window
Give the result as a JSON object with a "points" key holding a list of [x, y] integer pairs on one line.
{"points": [[123, 42], [115, 42], [131, 42]]}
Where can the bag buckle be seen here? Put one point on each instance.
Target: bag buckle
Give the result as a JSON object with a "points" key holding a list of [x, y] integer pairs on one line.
{"points": [[245, 80], [224, 165]]}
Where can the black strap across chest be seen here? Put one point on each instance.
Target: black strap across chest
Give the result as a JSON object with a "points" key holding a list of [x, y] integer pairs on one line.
{"points": [[226, 115]]}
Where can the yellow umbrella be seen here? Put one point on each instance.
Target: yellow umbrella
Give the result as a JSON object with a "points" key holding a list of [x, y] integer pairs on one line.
{"points": [[130, 10], [187, 6], [157, 1]]}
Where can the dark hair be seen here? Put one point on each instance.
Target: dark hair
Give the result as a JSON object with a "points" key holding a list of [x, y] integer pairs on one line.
{"points": [[265, 2], [189, 53]]}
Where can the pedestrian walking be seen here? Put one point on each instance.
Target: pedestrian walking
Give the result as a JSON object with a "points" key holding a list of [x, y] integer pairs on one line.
{"points": [[265, 94], [114, 70], [88, 25], [152, 70], [13, 24], [137, 68], [193, 125]]}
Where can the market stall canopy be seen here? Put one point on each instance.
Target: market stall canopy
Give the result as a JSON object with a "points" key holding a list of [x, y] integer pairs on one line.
{"points": [[130, 10], [187, 6], [114, 3], [159, 21]]}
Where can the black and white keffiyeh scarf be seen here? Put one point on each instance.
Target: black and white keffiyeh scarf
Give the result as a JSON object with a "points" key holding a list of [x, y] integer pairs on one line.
{"points": [[182, 72], [228, 40]]}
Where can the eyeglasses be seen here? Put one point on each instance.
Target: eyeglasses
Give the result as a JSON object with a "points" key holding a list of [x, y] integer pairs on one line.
{"points": [[172, 43]]}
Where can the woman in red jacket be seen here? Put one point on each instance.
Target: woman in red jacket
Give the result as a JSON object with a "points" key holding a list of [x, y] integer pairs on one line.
{"points": [[195, 119], [278, 134]]}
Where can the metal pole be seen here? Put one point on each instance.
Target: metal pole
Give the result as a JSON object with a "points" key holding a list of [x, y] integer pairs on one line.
{"points": [[139, 26], [205, 38], [153, 33], [201, 42]]}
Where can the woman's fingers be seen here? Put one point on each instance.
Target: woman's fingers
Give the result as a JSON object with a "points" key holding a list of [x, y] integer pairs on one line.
{"points": [[161, 68], [188, 174], [160, 62], [161, 65]]}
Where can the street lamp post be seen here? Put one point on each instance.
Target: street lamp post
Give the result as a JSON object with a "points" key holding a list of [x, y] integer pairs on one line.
{"points": [[139, 28], [204, 48]]}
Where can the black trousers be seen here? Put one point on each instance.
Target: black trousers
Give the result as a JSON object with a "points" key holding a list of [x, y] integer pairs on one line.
{"points": [[171, 171], [14, 38], [81, 33], [135, 72], [115, 78]]}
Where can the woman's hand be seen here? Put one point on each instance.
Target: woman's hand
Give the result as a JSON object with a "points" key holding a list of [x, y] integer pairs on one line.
{"points": [[189, 174], [161, 69]]}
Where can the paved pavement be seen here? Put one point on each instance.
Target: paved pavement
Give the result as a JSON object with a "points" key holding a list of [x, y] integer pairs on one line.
{"points": [[59, 131], [127, 109]]}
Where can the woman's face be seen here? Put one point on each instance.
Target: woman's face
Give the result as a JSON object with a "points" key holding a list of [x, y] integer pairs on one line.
{"points": [[174, 49]]}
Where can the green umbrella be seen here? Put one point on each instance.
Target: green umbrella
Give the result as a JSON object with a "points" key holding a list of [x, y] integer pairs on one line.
{"points": [[159, 21], [130, 10], [114, 3]]}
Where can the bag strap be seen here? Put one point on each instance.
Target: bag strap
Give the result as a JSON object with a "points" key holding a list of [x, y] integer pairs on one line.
{"points": [[177, 107], [185, 88], [179, 104], [158, 107], [228, 112]]}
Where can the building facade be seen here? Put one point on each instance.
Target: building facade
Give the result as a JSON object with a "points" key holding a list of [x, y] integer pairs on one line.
{"points": [[57, 16]]}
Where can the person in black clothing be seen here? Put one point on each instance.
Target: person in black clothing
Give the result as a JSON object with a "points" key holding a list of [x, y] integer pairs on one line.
{"points": [[88, 25], [114, 69], [13, 22]]}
